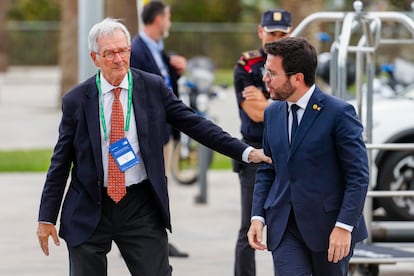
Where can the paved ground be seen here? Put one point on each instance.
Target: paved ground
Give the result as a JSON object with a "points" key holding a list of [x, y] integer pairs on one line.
{"points": [[29, 112]]}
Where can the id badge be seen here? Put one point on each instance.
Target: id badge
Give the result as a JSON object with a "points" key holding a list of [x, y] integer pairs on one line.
{"points": [[123, 154]]}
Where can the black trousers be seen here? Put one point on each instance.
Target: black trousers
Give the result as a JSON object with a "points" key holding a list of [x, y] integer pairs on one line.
{"points": [[135, 226], [245, 264]]}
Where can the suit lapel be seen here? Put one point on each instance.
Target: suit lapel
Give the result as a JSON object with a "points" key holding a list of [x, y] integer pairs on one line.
{"points": [[91, 109], [311, 113], [141, 116], [283, 121]]}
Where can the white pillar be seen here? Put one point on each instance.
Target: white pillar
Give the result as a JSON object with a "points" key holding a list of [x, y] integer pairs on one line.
{"points": [[90, 12]]}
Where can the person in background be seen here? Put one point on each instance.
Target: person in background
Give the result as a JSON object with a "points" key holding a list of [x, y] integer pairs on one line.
{"points": [[147, 53], [253, 98], [110, 143], [311, 198]]}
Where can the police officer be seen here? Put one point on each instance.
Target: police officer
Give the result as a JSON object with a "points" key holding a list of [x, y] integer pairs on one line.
{"points": [[252, 98]]}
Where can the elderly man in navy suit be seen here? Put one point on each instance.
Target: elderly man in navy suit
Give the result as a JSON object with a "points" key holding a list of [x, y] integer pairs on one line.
{"points": [[118, 189], [312, 196]]}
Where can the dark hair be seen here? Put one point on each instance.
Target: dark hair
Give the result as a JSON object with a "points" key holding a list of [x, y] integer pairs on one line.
{"points": [[152, 10], [298, 56]]}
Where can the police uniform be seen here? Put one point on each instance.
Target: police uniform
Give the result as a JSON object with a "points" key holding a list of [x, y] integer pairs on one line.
{"points": [[249, 70]]}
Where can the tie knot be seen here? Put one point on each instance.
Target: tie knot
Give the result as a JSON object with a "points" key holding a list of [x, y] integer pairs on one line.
{"points": [[294, 107], [116, 92]]}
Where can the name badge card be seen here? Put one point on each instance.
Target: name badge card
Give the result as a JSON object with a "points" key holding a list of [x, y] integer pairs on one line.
{"points": [[123, 154]]}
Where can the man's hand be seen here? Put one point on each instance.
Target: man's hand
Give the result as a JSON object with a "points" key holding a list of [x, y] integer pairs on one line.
{"points": [[339, 244], [43, 232], [255, 236], [179, 63], [257, 156], [251, 92]]}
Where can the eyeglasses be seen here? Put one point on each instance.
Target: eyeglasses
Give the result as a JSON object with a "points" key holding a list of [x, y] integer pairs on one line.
{"points": [[273, 75], [110, 54]]}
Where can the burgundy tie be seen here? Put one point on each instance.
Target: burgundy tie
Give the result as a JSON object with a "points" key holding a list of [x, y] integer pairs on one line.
{"points": [[116, 178]]}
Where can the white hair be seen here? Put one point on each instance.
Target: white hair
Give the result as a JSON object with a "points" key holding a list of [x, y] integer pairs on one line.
{"points": [[106, 27]]}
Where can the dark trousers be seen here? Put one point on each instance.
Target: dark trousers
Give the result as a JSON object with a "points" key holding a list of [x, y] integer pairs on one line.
{"points": [[245, 264], [293, 257], [135, 226]]}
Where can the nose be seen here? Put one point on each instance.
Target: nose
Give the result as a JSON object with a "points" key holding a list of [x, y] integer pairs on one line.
{"points": [[265, 76], [117, 57]]}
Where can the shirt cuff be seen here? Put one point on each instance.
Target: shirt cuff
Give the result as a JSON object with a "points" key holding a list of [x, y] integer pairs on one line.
{"points": [[344, 226], [259, 218], [246, 152]]}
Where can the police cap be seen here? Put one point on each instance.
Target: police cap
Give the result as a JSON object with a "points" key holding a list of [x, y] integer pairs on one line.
{"points": [[276, 20]]}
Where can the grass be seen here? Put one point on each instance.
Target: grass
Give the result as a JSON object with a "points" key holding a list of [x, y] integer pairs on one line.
{"points": [[224, 77], [38, 160]]}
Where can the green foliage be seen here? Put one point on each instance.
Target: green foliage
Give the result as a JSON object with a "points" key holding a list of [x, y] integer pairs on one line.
{"points": [[220, 162], [205, 10], [25, 160], [38, 160], [34, 10]]}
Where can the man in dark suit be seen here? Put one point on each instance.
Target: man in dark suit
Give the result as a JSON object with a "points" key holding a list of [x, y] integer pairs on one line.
{"points": [[148, 54], [312, 197], [118, 189]]}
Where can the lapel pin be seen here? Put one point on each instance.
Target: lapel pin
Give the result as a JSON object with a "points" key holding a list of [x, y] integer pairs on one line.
{"points": [[316, 107]]}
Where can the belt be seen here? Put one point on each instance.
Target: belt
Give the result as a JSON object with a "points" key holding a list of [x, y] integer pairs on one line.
{"points": [[135, 186]]}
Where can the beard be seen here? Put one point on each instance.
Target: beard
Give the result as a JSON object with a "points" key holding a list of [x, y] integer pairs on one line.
{"points": [[283, 92]]}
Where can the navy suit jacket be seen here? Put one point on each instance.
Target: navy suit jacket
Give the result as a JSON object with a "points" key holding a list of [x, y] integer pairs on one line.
{"points": [[323, 175], [141, 58], [78, 151]]}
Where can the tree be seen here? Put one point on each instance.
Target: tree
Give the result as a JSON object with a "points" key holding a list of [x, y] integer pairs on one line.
{"points": [[68, 56], [300, 10], [126, 10], [4, 60]]}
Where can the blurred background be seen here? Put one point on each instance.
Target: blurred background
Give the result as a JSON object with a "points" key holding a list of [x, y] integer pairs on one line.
{"points": [[45, 32]]}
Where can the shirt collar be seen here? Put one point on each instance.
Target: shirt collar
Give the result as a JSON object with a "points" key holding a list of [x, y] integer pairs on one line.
{"points": [[107, 87], [304, 100], [158, 45]]}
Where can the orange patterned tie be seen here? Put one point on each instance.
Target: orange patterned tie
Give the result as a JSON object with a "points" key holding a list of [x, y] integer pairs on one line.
{"points": [[116, 178]]}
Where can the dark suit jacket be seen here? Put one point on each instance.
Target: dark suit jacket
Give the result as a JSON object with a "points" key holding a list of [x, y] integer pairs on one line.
{"points": [[78, 151], [323, 175], [141, 58]]}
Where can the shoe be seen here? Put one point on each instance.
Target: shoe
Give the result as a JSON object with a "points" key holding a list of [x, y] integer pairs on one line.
{"points": [[174, 252]]}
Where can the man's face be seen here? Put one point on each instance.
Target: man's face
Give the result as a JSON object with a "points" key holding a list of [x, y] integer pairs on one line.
{"points": [[165, 23], [113, 68], [278, 81], [268, 37]]}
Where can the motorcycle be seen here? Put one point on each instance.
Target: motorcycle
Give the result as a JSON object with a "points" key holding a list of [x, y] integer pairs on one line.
{"points": [[195, 90]]}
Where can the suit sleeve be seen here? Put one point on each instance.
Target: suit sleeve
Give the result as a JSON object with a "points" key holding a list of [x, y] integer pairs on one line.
{"points": [[199, 128], [59, 169], [265, 176], [353, 158]]}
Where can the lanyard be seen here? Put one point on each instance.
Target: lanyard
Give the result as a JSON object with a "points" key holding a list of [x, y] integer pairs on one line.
{"points": [[101, 106]]}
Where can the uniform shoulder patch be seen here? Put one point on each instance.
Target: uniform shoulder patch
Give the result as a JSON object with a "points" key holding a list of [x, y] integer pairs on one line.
{"points": [[251, 54]]}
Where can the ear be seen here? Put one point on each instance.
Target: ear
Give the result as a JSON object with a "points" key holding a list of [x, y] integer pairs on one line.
{"points": [[260, 32], [94, 58], [299, 77]]}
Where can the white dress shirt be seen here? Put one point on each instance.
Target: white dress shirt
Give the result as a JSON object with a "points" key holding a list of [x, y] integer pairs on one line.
{"points": [[137, 173]]}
